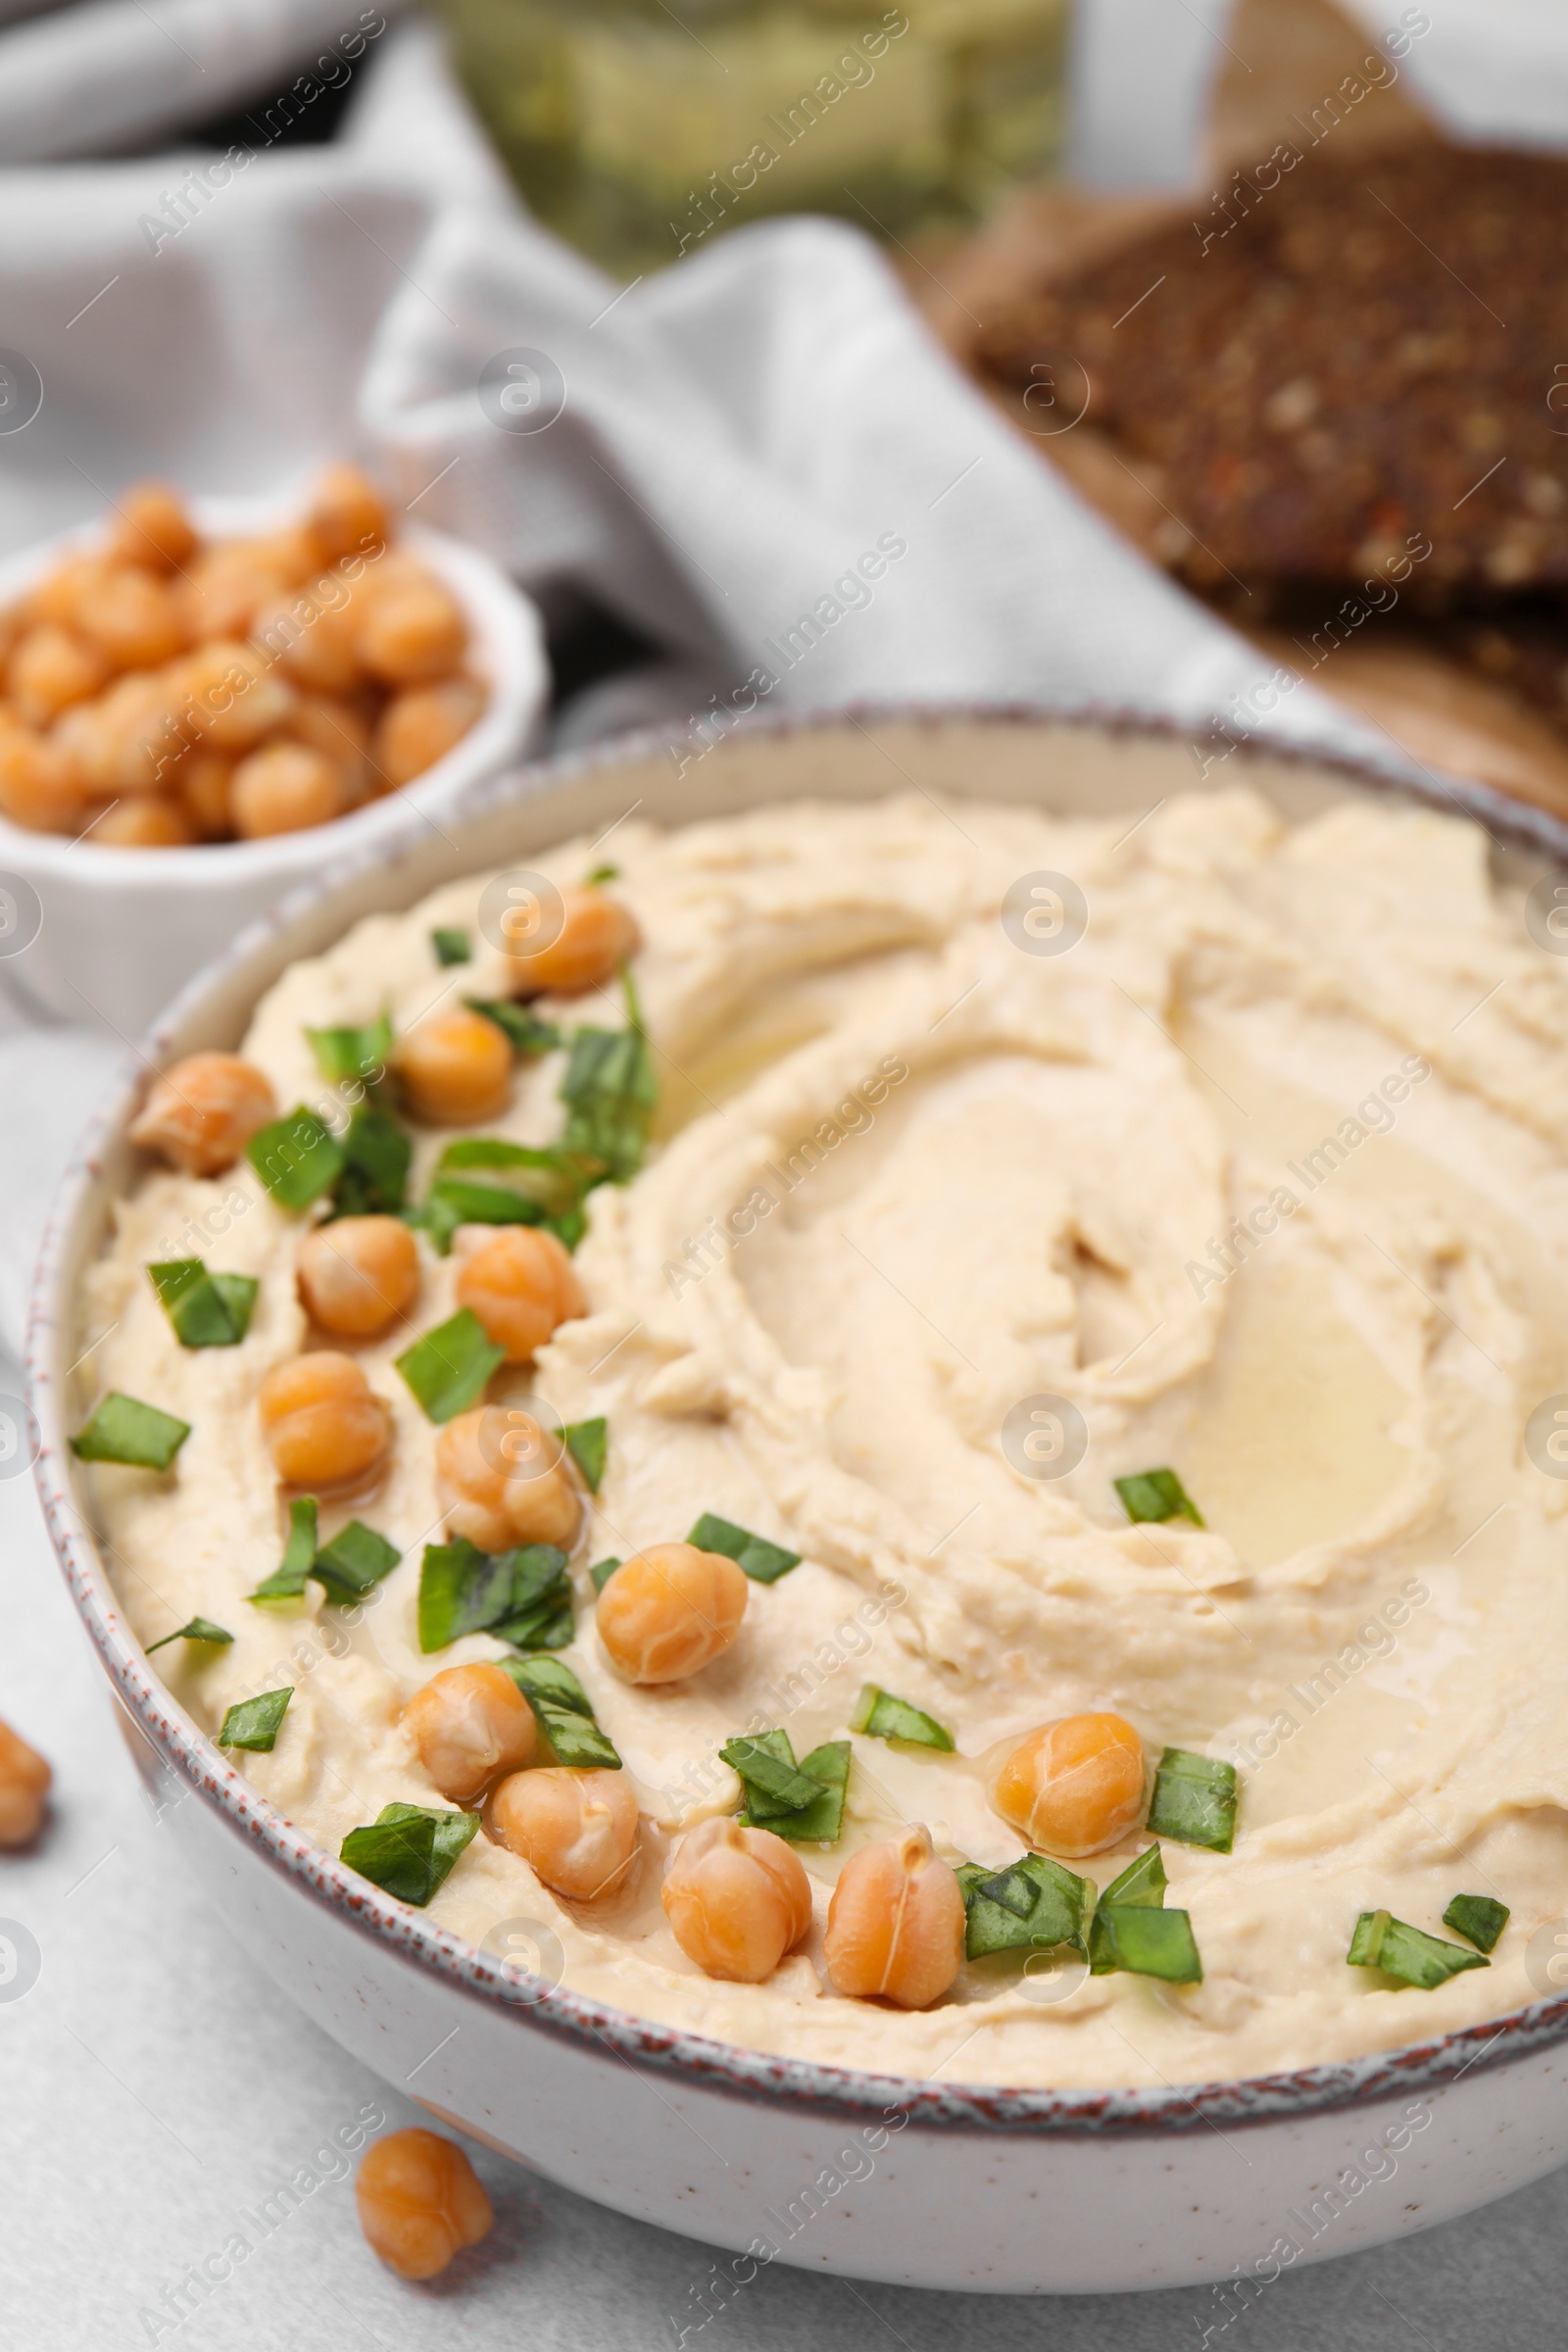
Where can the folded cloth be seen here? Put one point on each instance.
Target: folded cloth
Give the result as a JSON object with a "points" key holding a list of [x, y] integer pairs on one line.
{"points": [[758, 457]]}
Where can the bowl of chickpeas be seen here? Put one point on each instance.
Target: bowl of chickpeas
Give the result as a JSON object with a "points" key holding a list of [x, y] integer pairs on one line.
{"points": [[203, 699]]}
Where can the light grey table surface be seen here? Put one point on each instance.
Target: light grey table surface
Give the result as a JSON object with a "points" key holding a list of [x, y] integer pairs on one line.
{"points": [[156, 2090]]}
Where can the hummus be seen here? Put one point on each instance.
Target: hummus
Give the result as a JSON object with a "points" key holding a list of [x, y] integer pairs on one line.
{"points": [[1264, 1172]]}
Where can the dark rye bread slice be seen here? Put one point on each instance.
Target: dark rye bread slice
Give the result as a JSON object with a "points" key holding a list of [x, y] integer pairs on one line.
{"points": [[1366, 359]]}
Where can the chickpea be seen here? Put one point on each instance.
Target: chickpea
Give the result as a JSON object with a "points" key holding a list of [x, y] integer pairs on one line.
{"points": [[502, 1481], [455, 1068], [420, 2202], [152, 528], [312, 633], [336, 730], [283, 788], [200, 1114], [134, 619], [358, 1274], [41, 785], [419, 727], [412, 633], [49, 669], [1073, 1786], [148, 823], [470, 1723], [323, 1424], [595, 939], [228, 694], [141, 740], [226, 590], [520, 1283], [576, 1829], [24, 1780], [736, 1900], [347, 516], [896, 1923], [204, 780], [669, 1611], [58, 598]]}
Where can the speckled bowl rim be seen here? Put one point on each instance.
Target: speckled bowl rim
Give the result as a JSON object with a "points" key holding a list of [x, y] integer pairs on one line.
{"points": [[722, 2067]]}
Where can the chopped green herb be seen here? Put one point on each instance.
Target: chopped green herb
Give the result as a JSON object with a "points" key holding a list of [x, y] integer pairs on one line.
{"points": [[1033, 1905], [771, 1775], [452, 944], [125, 1430], [1156, 1495], [465, 1590], [564, 1712], [774, 1783], [450, 1202], [253, 1722], [764, 1562], [1477, 1918], [296, 1157], [376, 1158], [1142, 1882], [408, 1850], [448, 1369], [588, 1443], [611, 1093], [529, 1184], [207, 1310], [525, 1032], [344, 1054], [287, 1580], [881, 1716], [199, 1629], [1415, 1958], [356, 1559], [1194, 1800], [1144, 1942], [601, 1573], [602, 873]]}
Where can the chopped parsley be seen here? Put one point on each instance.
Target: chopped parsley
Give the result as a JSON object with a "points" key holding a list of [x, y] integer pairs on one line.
{"points": [[764, 1562], [1031, 1906], [346, 1054], [207, 1310], [564, 1712], [373, 1181], [449, 1367], [523, 1596], [296, 1157], [409, 1850], [1132, 1932], [1407, 1953], [588, 1443], [527, 1034], [125, 1430], [1194, 1800], [1150, 1495], [881, 1716], [346, 1568], [802, 1802], [198, 1628], [1477, 1918], [253, 1722]]}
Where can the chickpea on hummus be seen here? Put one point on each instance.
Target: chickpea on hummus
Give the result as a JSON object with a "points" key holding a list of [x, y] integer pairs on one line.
{"points": [[917, 1439]]}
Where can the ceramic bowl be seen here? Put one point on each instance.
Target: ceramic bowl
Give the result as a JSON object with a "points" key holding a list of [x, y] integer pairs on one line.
{"points": [[935, 2183], [110, 934]]}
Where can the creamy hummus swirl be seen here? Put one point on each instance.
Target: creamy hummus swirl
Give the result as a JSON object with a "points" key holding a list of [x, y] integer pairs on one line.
{"points": [[1264, 1176]]}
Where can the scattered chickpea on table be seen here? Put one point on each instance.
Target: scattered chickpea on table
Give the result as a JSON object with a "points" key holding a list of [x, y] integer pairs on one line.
{"points": [[164, 691], [25, 1778]]}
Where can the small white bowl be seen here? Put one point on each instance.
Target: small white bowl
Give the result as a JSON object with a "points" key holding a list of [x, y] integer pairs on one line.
{"points": [[119, 931]]}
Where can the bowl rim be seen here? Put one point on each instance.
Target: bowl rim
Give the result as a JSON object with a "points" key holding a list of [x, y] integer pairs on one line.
{"points": [[694, 2059], [507, 636]]}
